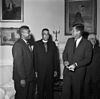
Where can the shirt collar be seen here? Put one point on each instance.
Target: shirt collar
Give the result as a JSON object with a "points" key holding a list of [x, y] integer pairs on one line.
{"points": [[44, 41], [79, 39], [24, 40]]}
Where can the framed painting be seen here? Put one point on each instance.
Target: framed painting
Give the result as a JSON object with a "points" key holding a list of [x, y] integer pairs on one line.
{"points": [[11, 10], [81, 11], [8, 35]]}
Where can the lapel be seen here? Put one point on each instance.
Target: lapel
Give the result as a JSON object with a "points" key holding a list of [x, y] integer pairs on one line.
{"points": [[75, 49], [73, 44], [25, 45]]}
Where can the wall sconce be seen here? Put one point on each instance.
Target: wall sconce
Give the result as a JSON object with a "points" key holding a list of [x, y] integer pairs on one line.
{"points": [[56, 34]]}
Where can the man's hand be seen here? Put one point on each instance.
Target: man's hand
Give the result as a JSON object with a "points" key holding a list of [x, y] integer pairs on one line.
{"points": [[23, 83], [71, 67], [55, 73], [36, 74], [66, 63]]}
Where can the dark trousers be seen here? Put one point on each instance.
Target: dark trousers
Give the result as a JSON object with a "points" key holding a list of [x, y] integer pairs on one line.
{"points": [[45, 87], [73, 84], [26, 92], [91, 89]]}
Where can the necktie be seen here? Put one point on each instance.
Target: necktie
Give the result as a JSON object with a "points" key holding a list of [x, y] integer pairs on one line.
{"points": [[45, 45], [29, 46]]}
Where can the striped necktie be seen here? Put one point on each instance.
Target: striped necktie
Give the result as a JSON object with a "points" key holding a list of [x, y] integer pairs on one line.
{"points": [[45, 45]]}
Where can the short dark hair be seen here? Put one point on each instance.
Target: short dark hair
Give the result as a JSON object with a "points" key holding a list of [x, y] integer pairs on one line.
{"points": [[23, 27], [79, 27], [45, 29]]}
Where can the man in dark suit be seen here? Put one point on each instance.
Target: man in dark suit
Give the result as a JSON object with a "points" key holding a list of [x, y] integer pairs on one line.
{"points": [[45, 56], [23, 71], [92, 81], [76, 56]]}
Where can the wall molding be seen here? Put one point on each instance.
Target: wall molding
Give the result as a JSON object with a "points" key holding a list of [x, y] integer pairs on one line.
{"points": [[6, 63]]}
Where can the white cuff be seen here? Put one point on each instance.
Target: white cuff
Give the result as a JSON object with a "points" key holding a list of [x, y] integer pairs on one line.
{"points": [[75, 64]]}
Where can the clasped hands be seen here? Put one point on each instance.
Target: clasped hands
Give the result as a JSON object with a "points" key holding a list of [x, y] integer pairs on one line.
{"points": [[69, 67], [23, 83]]}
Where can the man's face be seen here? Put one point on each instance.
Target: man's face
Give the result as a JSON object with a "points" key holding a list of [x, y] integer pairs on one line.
{"points": [[92, 39], [25, 34], [45, 35], [75, 33]]}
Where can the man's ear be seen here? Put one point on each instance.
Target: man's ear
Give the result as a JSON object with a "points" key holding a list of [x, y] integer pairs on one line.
{"points": [[79, 32]]}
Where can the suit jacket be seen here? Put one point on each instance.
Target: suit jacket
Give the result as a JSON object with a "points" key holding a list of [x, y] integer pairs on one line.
{"points": [[93, 70], [82, 55], [22, 61], [45, 62]]}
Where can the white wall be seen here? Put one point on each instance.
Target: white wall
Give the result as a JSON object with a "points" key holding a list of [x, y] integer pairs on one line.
{"points": [[6, 62], [98, 19], [42, 13], [39, 14]]}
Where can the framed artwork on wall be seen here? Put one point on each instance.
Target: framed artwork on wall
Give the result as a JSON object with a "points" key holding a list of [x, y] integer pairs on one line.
{"points": [[8, 36], [81, 11], [11, 10]]}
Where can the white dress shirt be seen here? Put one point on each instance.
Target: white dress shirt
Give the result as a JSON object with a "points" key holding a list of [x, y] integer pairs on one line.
{"points": [[78, 41]]}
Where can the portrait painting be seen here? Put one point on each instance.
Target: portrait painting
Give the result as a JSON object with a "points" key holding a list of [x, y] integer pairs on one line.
{"points": [[11, 10], [80, 11], [9, 35]]}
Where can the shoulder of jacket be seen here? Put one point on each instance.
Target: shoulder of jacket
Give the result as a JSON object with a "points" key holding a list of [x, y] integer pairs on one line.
{"points": [[52, 42], [18, 43], [37, 42], [87, 42], [70, 39]]}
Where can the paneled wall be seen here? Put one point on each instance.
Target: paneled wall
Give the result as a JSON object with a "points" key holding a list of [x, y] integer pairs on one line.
{"points": [[6, 64], [5, 74]]}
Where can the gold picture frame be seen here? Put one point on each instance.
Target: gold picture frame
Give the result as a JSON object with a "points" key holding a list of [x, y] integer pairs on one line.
{"points": [[11, 10], [8, 35], [81, 11]]}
